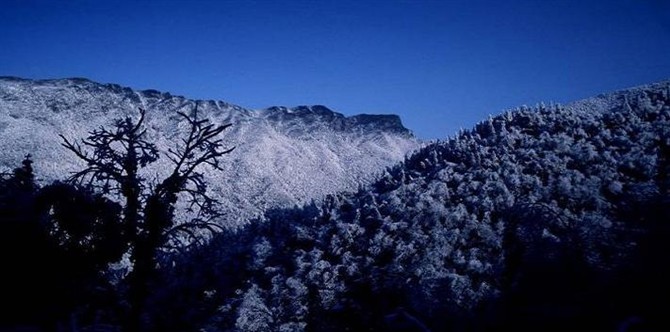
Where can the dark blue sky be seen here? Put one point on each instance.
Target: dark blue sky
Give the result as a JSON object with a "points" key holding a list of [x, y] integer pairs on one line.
{"points": [[440, 65]]}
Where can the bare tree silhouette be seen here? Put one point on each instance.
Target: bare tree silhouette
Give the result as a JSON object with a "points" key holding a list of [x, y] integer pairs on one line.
{"points": [[114, 157]]}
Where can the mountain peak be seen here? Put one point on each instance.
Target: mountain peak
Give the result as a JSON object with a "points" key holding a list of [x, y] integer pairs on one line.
{"points": [[319, 115]]}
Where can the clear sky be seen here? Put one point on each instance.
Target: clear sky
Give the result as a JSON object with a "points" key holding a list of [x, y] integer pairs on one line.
{"points": [[440, 65]]}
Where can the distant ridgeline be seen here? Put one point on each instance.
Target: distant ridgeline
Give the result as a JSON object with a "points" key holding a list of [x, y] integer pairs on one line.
{"points": [[542, 218], [283, 156]]}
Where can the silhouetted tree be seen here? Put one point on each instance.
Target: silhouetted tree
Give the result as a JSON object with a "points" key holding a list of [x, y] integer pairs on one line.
{"points": [[21, 244], [115, 157]]}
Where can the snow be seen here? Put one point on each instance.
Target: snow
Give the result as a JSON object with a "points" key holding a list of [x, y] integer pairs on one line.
{"points": [[281, 157]]}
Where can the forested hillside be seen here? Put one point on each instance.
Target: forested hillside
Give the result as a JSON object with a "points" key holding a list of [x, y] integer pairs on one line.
{"points": [[548, 217]]}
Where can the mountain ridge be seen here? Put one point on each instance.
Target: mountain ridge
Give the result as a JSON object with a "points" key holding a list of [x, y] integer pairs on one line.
{"points": [[280, 158], [320, 112]]}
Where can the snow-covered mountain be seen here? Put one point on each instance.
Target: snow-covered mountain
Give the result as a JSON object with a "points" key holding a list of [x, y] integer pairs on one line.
{"points": [[538, 219], [283, 156]]}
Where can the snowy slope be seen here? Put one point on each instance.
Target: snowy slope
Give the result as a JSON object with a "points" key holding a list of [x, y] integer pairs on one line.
{"points": [[283, 156], [502, 227]]}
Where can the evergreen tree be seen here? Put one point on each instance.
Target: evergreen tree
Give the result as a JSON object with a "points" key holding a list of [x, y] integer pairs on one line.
{"points": [[56, 244]]}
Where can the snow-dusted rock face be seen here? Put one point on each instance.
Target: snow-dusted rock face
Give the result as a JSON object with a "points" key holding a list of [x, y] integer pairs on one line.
{"points": [[283, 156]]}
